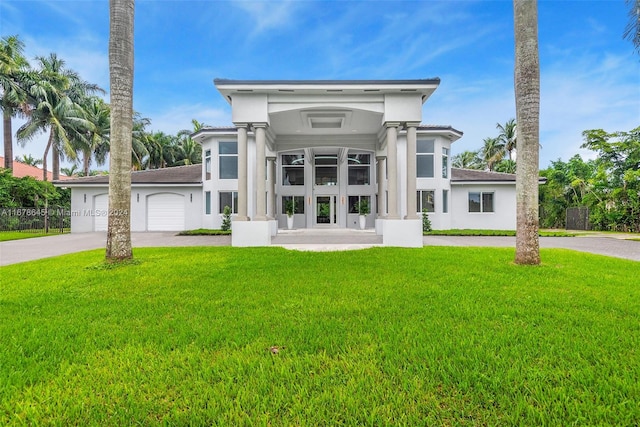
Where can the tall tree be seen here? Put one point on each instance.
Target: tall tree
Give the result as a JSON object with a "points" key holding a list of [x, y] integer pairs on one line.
{"points": [[632, 30], [94, 140], [121, 13], [527, 94], [12, 94], [492, 152], [28, 159], [507, 136], [55, 93]]}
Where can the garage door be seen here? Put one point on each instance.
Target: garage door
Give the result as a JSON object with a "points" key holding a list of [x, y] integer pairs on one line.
{"points": [[100, 210], [165, 212]]}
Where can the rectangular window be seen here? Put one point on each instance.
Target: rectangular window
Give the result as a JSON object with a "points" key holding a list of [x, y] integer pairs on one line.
{"points": [[445, 162], [354, 200], [359, 169], [426, 200], [207, 165], [228, 198], [298, 204], [480, 202], [207, 202], [424, 160], [445, 201], [293, 169], [326, 169], [228, 160]]}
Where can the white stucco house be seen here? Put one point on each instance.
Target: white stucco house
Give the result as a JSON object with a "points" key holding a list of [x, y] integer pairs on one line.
{"points": [[325, 145]]}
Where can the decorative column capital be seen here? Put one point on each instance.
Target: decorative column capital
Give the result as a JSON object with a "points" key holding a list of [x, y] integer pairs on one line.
{"points": [[260, 125], [392, 124], [241, 125], [411, 124]]}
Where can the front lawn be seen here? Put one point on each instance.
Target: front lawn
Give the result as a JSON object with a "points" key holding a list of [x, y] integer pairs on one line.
{"points": [[29, 234], [383, 336]]}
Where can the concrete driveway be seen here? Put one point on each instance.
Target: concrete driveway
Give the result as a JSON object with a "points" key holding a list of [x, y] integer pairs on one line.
{"points": [[16, 251]]}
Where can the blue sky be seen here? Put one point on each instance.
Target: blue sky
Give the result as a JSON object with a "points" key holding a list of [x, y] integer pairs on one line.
{"points": [[590, 75]]}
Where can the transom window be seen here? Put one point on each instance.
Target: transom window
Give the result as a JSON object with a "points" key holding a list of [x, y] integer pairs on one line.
{"points": [[480, 202], [424, 160], [293, 169], [228, 160], [326, 169], [359, 165], [426, 200]]}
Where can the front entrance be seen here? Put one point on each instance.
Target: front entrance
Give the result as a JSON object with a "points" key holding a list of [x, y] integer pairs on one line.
{"points": [[325, 212]]}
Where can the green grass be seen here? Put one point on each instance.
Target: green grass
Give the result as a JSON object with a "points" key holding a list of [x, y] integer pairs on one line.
{"points": [[383, 336], [470, 232], [28, 234], [205, 232]]}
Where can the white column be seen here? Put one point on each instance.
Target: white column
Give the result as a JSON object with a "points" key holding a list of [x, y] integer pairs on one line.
{"points": [[261, 172], [392, 167], [382, 207], [242, 173], [412, 206], [271, 208]]}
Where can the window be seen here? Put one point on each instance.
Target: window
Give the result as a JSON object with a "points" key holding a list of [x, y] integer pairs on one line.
{"points": [[207, 202], [326, 169], [445, 201], [228, 198], [207, 165], [445, 162], [424, 149], [228, 159], [298, 204], [293, 169], [359, 169], [426, 200], [480, 202], [354, 200]]}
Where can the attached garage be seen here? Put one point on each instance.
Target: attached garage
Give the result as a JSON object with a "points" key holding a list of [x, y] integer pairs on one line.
{"points": [[165, 212], [100, 212]]}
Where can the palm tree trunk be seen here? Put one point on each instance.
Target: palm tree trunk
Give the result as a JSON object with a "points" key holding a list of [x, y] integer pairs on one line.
{"points": [[86, 159], [121, 14], [8, 139], [46, 154], [55, 162], [527, 93]]}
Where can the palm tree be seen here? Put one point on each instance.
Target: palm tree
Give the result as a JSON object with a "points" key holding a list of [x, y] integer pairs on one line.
{"points": [[94, 141], [506, 166], [121, 14], [527, 94], [467, 160], [13, 65], [508, 136], [139, 151], [188, 152], [161, 148], [632, 30], [70, 171], [54, 95], [492, 152], [28, 159]]}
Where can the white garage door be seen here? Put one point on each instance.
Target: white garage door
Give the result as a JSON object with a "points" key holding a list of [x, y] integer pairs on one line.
{"points": [[165, 212], [100, 211]]}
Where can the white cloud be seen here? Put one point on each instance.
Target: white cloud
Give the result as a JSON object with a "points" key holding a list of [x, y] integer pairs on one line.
{"points": [[269, 15]]}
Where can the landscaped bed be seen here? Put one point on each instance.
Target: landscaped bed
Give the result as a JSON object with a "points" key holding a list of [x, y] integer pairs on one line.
{"points": [[265, 336]]}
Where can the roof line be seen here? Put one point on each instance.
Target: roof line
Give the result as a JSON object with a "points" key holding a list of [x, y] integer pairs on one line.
{"points": [[220, 81]]}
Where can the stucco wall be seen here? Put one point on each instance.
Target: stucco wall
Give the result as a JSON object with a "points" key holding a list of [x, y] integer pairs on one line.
{"points": [[503, 217], [85, 215]]}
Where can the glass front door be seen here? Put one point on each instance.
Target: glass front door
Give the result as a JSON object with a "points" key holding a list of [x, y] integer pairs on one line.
{"points": [[326, 210]]}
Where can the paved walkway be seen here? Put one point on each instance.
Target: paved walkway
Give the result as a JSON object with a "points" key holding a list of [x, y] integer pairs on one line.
{"points": [[16, 251]]}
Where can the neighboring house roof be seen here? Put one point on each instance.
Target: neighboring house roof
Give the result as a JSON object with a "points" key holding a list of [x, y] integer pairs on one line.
{"points": [[21, 170], [191, 174], [473, 175]]}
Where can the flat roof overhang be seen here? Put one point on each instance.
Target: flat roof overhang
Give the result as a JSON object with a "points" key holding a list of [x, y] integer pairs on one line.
{"points": [[424, 87]]}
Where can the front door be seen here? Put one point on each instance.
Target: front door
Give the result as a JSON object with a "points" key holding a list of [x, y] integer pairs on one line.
{"points": [[325, 210]]}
